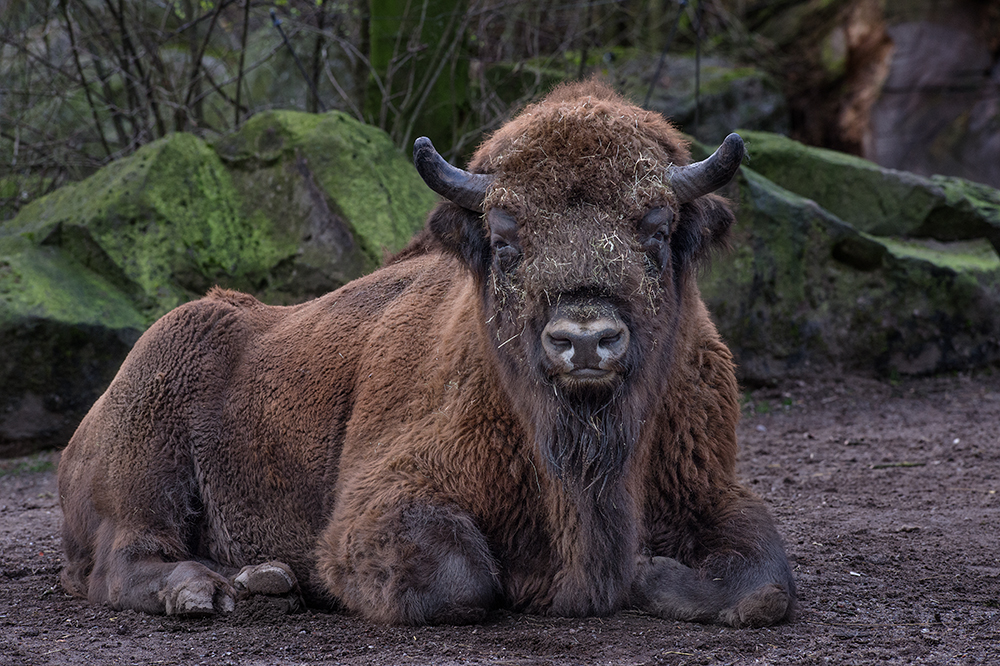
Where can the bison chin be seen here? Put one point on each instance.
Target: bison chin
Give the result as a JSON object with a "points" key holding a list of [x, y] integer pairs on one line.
{"points": [[586, 437]]}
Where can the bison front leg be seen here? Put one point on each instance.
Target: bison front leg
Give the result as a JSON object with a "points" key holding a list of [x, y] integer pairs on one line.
{"points": [[734, 572], [147, 583], [189, 588], [412, 563], [672, 590], [130, 572]]}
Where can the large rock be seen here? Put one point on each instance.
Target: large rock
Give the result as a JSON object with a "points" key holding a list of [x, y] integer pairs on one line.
{"points": [[64, 329], [938, 110], [291, 207], [875, 199], [858, 268]]}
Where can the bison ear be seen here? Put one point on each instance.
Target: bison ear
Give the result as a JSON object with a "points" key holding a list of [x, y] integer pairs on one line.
{"points": [[462, 233], [704, 226]]}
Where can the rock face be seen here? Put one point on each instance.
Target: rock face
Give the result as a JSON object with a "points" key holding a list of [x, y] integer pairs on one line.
{"points": [[839, 262], [909, 84], [877, 200], [291, 207], [939, 108], [836, 262]]}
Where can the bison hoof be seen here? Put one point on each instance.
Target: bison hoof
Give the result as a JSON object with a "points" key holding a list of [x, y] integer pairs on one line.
{"points": [[270, 578], [763, 607], [193, 590], [199, 602]]}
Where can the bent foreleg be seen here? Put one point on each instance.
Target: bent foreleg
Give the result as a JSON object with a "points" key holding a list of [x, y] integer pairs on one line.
{"points": [[735, 571], [413, 563]]}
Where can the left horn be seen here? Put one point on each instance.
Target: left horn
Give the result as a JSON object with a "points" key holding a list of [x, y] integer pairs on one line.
{"points": [[466, 189], [698, 179]]}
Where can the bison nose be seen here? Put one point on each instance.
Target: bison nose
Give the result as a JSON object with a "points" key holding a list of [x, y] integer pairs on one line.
{"points": [[585, 348]]}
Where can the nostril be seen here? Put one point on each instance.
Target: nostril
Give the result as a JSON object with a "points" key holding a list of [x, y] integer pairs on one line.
{"points": [[610, 339], [559, 342], [612, 344]]}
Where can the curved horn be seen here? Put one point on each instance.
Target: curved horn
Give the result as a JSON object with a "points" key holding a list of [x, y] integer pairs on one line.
{"points": [[466, 189], [695, 180]]}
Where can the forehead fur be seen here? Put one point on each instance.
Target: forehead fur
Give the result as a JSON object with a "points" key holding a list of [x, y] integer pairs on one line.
{"points": [[577, 171], [583, 145]]}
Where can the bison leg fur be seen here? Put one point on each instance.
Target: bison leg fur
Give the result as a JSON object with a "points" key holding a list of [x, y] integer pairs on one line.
{"points": [[151, 585], [411, 564], [669, 589], [188, 588], [739, 576]]}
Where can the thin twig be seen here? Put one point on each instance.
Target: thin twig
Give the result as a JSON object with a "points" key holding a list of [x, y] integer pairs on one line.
{"points": [[196, 64], [83, 79], [243, 51]]}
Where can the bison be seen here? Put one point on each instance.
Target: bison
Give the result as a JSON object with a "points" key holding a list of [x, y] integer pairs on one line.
{"points": [[528, 408]]}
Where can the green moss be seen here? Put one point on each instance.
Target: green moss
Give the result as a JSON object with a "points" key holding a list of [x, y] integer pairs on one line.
{"points": [[960, 256], [870, 198], [801, 286], [168, 217], [969, 210], [42, 283], [882, 202], [375, 188], [762, 294]]}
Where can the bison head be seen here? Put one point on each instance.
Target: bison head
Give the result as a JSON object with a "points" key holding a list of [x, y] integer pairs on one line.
{"points": [[582, 226]]}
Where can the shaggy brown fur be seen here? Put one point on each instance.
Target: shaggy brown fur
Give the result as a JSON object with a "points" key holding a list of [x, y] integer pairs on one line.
{"points": [[409, 447]]}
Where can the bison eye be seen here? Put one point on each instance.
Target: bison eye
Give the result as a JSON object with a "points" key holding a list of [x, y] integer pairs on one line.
{"points": [[654, 229], [503, 240], [504, 254]]}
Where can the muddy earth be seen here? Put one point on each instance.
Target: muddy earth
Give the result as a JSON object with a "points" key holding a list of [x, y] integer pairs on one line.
{"points": [[885, 492]]}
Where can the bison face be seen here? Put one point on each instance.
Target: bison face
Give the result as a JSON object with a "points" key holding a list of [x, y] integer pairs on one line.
{"points": [[564, 293], [582, 233]]}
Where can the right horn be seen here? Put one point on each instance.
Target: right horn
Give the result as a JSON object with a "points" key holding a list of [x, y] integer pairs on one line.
{"points": [[466, 189], [698, 179]]}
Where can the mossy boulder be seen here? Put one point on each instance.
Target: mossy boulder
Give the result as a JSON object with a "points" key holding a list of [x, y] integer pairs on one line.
{"points": [[340, 189], [874, 199], [804, 291], [64, 330], [291, 207]]}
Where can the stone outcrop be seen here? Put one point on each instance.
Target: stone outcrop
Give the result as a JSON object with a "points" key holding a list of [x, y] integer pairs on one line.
{"points": [[838, 262], [292, 206]]}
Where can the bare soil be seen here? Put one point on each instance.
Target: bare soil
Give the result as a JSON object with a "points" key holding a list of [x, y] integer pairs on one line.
{"points": [[886, 494]]}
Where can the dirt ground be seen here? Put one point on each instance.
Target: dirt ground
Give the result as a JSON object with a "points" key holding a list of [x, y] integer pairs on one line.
{"points": [[886, 494]]}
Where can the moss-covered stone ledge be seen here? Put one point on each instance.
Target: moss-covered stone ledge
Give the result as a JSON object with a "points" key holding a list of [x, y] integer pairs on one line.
{"points": [[803, 291], [291, 207], [310, 167], [874, 199], [63, 332]]}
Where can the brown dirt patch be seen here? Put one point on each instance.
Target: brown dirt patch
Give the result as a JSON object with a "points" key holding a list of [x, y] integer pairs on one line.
{"points": [[886, 495]]}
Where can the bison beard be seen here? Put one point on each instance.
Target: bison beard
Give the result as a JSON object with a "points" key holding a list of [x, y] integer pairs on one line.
{"points": [[587, 442], [586, 438]]}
